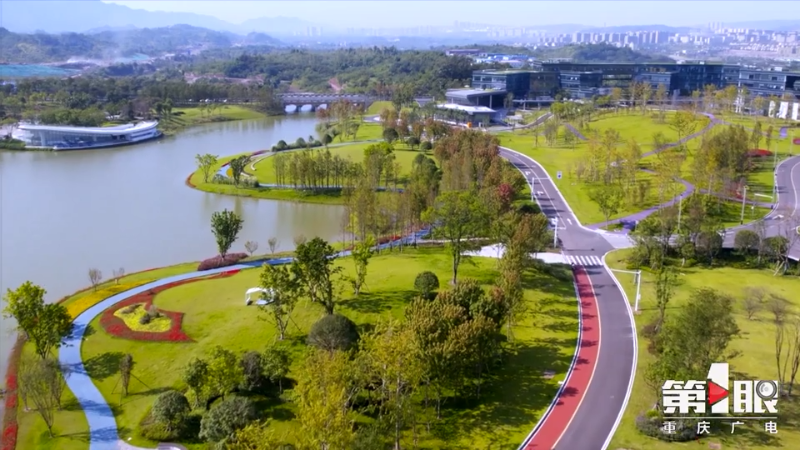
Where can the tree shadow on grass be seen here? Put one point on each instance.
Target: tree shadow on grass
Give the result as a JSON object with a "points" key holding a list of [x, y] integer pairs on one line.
{"points": [[377, 302], [103, 365], [516, 395]]}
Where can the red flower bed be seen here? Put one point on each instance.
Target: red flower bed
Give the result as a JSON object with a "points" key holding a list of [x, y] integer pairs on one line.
{"points": [[116, 327], [10, 427], [759, 153], [218, 261], [796, 141]]}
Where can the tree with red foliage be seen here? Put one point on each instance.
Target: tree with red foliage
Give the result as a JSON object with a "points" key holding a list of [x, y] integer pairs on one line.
{"points": [[505, 194]]}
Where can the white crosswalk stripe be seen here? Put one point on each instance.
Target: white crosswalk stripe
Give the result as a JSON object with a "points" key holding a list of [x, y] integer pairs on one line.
{"points": [[583, 260]]}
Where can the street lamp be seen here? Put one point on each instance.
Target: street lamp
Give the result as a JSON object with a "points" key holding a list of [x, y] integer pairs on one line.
{"points": [[638, 280], [744, 200]]}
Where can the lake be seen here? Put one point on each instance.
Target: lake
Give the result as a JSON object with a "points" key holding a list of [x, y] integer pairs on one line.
{"points": [[62, 213], [33, 70]]}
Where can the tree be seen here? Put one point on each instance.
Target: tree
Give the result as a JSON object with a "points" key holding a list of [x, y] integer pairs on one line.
{"points": [[283, 291], [746, 241], [696, 336], [125, 372], [272, 243], [779, 307], [226, 418], [458, 216], [323, 393], [275, 364], [757, 135], [608, 198], [237, 166], [315, 268], [390, 135], [252, 371], [36, 379], [362, 252], [333, 332], [412, 142], [170, 409], [257, 436], [226, 226], [391, 360], [665, 287], [205, 163], [95, 277], [751, 307], [119, 273], [251, 247], [426, 283], [46, 326], [195, 375], [789, 359], [224, 372]]}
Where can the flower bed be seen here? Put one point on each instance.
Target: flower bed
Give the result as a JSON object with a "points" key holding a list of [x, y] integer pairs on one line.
{"points": [[759, 153], [133, 314], [82, 304], [116, 326], [10, 426]]}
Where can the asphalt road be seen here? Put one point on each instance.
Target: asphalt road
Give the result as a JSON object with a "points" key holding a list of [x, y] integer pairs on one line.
{"points": [[785, 217], [605, 398]]}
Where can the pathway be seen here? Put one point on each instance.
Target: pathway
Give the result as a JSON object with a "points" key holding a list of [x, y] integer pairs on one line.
{"points": [[102, 424]]}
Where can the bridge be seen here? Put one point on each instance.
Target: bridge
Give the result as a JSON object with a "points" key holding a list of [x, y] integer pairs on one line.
{"points": [[315, 100]]}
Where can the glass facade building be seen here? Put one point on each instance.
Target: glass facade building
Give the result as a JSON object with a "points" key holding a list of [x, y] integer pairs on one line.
{"points": [[517, 82], [76, 138], [770, 82]]}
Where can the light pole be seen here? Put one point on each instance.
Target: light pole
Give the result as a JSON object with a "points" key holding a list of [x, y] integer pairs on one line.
{"points": [[555, 232], [744, 200], [638, 281]]}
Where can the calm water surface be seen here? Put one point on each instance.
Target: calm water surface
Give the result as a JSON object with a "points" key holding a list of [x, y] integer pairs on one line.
{"points": [[62, 213]]}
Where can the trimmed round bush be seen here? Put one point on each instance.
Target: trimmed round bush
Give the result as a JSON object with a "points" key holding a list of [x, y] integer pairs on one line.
{"points": [[426, 284], [225, 418], [170, 409], [145, 319], [529, 208], [333, 332]]}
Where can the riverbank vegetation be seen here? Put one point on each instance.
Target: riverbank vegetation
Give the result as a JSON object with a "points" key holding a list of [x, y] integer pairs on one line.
{"points": [[751, 309]]}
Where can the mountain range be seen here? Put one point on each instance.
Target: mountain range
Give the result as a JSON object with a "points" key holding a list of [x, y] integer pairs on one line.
{"points": [[93, 15]]}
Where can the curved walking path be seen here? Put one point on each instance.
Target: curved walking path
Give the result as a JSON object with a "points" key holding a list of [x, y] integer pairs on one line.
{"points": [[103, 433]]}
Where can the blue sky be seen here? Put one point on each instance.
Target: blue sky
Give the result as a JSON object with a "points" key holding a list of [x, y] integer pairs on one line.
{"points": [[425, 12]]}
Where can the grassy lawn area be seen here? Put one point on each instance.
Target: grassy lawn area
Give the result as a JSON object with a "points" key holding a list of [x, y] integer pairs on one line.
{"points": [[264, 169], [508, 409], [186, 117], [376, 107], [755, 358], [561, 157], [71, 429]]}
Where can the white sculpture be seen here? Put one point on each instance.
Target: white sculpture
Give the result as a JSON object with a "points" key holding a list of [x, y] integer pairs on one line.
{"points": [[264, 296]]}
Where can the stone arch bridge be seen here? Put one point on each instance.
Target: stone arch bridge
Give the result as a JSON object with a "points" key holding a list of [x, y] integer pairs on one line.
{"points": [[302, 99]]}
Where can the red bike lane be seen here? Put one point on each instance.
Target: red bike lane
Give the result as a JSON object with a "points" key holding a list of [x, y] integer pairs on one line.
{"points": [[571, 395]]}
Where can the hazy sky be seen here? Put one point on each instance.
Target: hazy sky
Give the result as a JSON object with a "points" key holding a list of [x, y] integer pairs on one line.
{"points": [[425, 12]]}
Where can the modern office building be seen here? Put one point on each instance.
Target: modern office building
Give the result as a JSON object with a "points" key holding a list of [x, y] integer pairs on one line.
{"points": [[471, 116], [490, 98], [581, 80], [78, 138], [770, 82]]}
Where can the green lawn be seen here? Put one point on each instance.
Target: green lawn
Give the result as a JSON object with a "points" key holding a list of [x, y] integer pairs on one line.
{"points": [[186, 117], [376, 107], [264, 169], [755, 360], [216, 315], [564, 158]]}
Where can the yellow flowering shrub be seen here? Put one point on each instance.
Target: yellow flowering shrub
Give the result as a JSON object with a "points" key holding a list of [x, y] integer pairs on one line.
{"points": [[80, 305], [132, 316]]}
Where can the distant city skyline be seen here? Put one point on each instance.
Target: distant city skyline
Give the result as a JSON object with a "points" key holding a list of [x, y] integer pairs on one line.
{"points": [[369, 14]]}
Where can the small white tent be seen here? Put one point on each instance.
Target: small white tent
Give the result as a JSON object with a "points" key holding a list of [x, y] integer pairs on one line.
{"points": [[264, 296]]}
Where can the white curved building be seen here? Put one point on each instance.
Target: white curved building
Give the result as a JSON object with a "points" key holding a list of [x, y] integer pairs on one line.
{"points": [[59, 137]]}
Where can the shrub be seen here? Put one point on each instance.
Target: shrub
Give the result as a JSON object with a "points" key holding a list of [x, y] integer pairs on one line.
{"points": [[333, 332], [152, 311], [426, 146], [252, 369], [529, 208], [226, 417], [170, 409], [130, 309], [685, 429], [217, 261], [145, 319], [426, 284]]}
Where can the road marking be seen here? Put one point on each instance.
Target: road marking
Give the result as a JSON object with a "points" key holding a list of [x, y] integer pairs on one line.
{"points": [[570, 221], [583, 260]]}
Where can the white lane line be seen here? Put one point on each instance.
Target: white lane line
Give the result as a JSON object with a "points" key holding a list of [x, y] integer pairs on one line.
{"points": [[569, 221]]}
